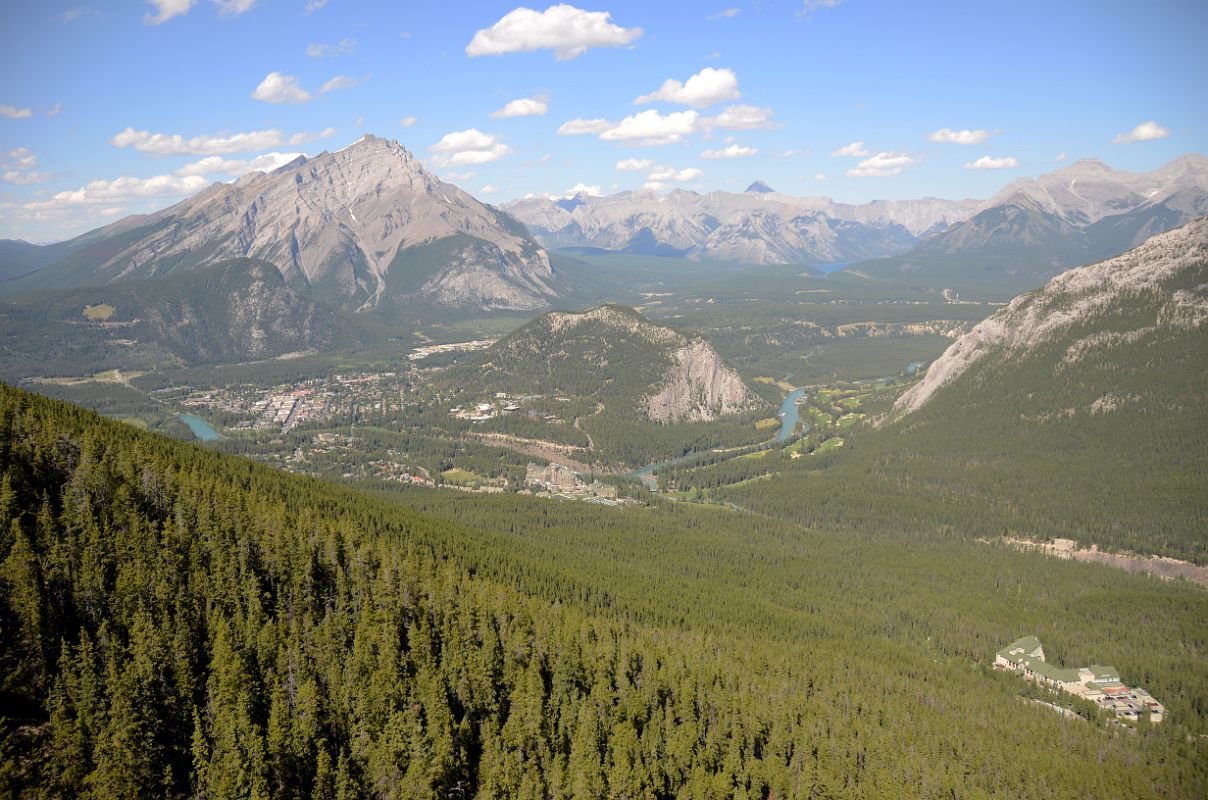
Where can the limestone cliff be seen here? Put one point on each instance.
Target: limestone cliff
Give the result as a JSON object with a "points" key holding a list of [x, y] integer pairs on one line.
{"points": [[699, 387]]}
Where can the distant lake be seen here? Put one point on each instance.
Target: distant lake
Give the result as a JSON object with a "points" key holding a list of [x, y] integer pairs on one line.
{"points": [[201, 429], [827, 269]]}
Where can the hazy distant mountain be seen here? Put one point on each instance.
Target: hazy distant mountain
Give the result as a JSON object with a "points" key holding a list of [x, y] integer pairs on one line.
{"points": [[1096, 326], [634, 367], [1036, 227], [365, 227], [758, 226], [18, 257]]}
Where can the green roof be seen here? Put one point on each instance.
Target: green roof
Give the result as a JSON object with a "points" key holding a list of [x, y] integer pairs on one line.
{"points": [[1104, 673], [1020, 647], [1047, 670]]}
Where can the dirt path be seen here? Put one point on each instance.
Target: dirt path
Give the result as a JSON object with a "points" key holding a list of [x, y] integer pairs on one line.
{"points": [[590, 444]]}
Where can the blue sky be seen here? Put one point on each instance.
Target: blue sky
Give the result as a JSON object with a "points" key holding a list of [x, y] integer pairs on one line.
{"points": [[113, 108]]}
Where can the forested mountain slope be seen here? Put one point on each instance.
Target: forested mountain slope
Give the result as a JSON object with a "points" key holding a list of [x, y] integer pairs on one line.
{"points": [[239, 310], [183, 623], [1076, 411], [615, 355], [644, 389]]}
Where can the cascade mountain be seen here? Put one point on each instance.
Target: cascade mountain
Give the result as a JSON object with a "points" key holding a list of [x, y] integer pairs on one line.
{"points": [[366, 228]]}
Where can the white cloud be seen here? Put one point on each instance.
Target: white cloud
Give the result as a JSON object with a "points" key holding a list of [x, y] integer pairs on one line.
{"points": [[457, 176], [818, 176], [54, 110], [313, 5], [407, 122], [340, 82], [725, 13], [882, 165], [1061, 157], [731, 151], [987, 162], [19, 178], [853, 150], [810, 6], [233, 7], [118, 190], [743, 118], [217, 165], [488, 189], [278, 88], [524, 107], [665, 174], [705, 88], [21, 158], [566, 30], [634, 164], [12, 112], [652, 128], [1145, 132], [341, 48], [582, 188], [576, 127], [471, 146], [166, 10], [949, 136], [72, 14], [162, 144]]}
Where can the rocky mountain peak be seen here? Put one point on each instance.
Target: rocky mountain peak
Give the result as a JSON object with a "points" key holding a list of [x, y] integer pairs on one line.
{"points": [[760, 187], [366, 226]]}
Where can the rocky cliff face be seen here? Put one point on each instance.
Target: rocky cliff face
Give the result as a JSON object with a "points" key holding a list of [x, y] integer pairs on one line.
{"points": [[699, 387], [366, 227], [1123, 300], [756, 226]]}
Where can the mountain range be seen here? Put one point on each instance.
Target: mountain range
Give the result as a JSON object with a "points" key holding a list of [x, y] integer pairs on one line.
{"points": [[1026, 233], [758, 226], [369, 229], [1037, 227]]}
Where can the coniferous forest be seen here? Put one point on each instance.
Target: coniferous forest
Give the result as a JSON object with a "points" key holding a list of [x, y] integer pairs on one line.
{"points": [[181, 623]]}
